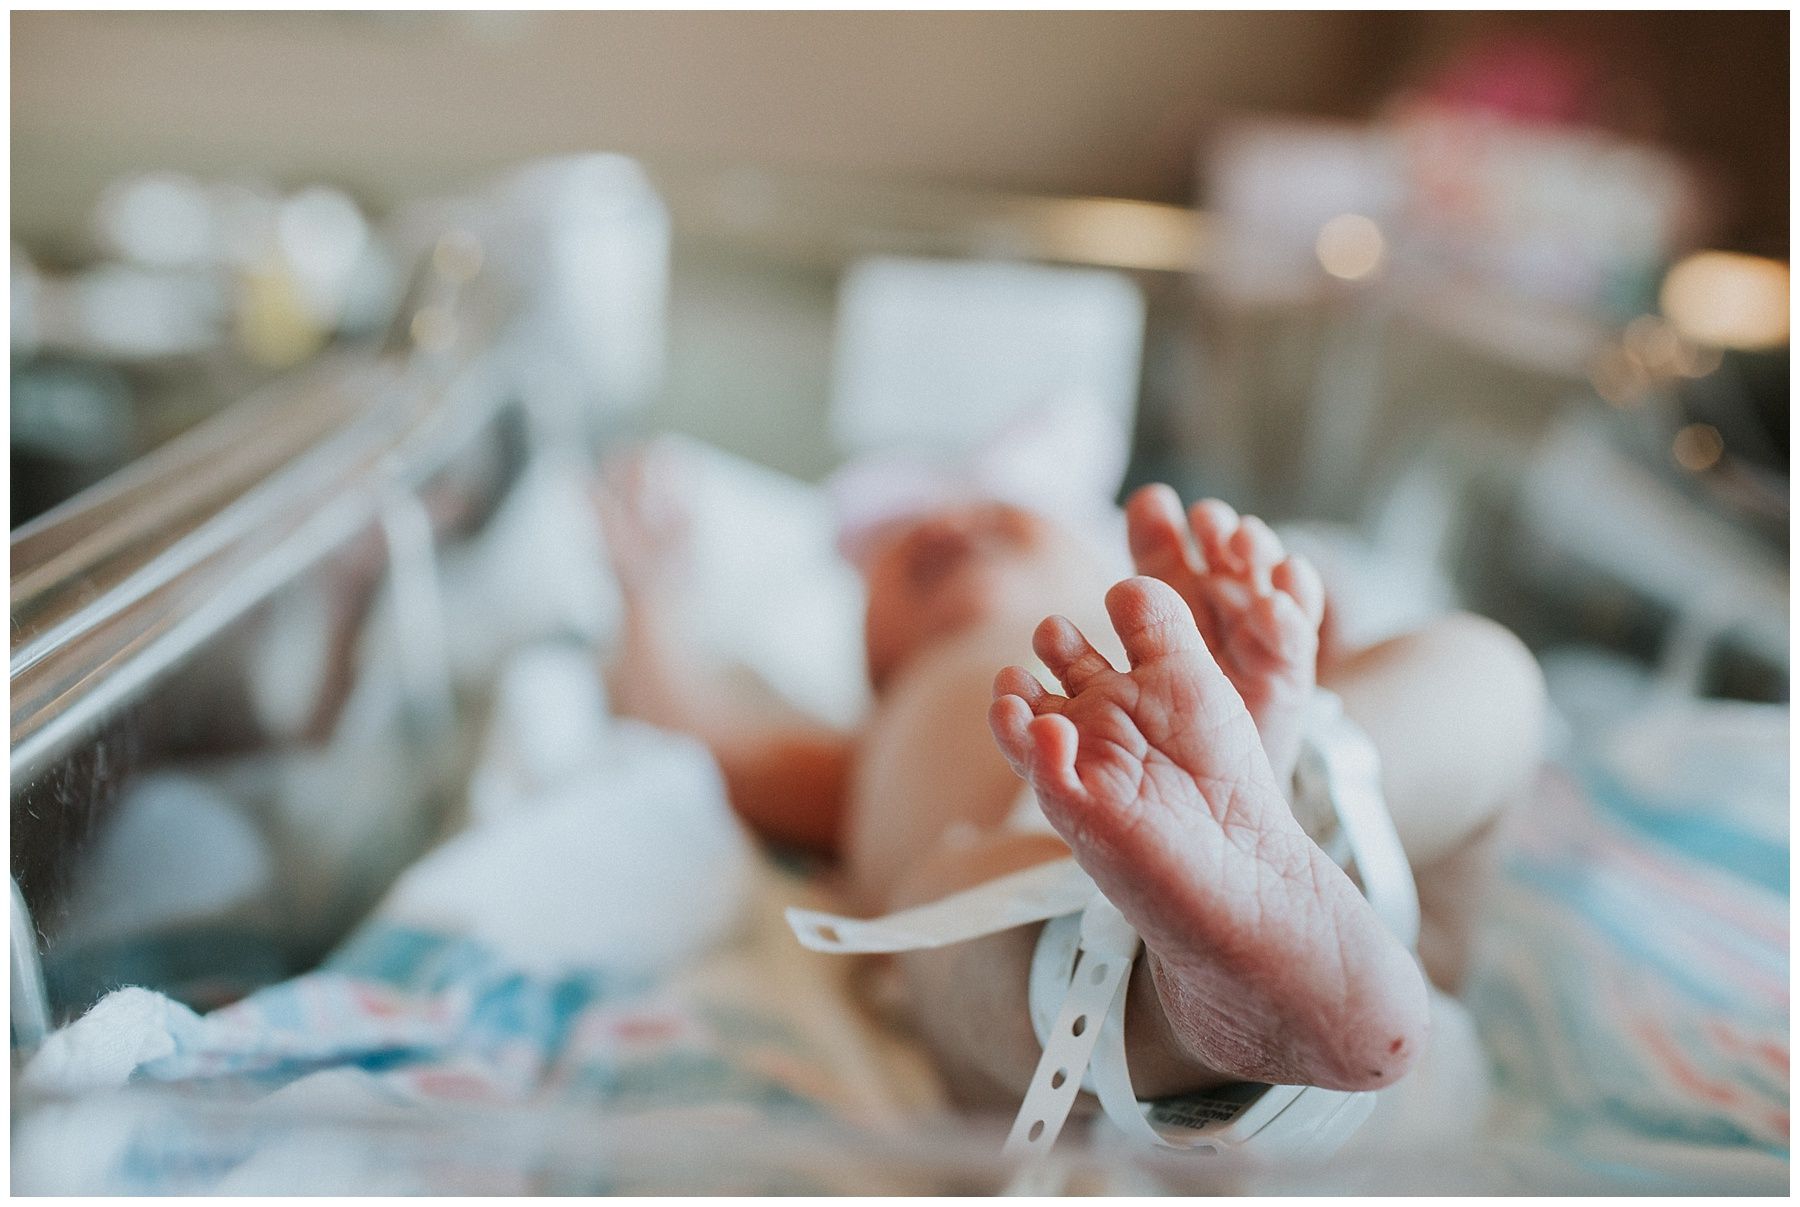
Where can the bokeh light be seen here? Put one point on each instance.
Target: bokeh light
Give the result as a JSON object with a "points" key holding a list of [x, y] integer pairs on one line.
{"points": [[1351, 247], [1729, 300], [1698, 447]]}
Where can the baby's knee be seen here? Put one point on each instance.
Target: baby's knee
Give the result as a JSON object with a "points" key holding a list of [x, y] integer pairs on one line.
{"points": [[1489, 659]]}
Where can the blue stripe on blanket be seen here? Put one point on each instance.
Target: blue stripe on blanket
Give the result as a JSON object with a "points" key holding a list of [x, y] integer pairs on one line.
{"points": [[1694, 831]]}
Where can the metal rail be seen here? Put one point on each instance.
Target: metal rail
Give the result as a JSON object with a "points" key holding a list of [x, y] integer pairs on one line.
{"points": [[100, 610], [112, 590]]}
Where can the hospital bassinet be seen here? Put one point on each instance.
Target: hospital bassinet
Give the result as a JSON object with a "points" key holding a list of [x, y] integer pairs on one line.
{"points": [[250, 677]]}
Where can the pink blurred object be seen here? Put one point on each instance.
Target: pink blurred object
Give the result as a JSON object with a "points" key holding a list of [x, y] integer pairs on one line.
{"points": [[1525, 79]]}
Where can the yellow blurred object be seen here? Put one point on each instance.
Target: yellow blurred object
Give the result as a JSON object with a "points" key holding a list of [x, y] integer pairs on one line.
{"points": [[1120, 234], [275, 328], [1728, 300], [1351, 247]]}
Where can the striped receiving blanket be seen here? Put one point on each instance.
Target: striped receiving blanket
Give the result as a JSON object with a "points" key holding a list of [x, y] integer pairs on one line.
{"points": [[1632, 984], [413, 1062]]}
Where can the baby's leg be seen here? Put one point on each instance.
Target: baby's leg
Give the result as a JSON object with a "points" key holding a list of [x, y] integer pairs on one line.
{"points": [[1463, 750], [970, 1000], [1262, 961]]}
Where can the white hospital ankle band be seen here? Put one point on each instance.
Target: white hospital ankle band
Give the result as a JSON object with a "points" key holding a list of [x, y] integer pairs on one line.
{"points": [[1340, 762], [1094, 994], [1082, 964], [1045, 891]]}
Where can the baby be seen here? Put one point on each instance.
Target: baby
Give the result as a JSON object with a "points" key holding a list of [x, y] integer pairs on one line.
{"points": [[1162, 764]]}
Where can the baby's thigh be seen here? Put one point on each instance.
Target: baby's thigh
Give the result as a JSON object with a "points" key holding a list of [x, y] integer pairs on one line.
{"points": [[926, 767], [1456, 710]]}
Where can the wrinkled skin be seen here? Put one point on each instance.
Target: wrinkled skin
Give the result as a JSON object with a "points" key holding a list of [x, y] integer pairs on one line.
{"points": [[1270, 964]]}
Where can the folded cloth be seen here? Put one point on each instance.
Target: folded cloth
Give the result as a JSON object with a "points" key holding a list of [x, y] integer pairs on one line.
{"points": [[596, 845], [125, 1031], [598, 842]]}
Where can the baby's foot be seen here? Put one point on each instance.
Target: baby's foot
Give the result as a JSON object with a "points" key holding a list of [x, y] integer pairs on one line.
{"points": [[1268, 962], [1258, 609]]}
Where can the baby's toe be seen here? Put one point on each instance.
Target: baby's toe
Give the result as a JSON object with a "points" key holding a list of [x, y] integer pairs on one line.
{"points": [[1009, 717], [1068, 654], [1214, 523], [1053, 741], [1277, 625], [1151, 620], [1017, 681], [1153, 527], [1257, 549], [1295, 576]]}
